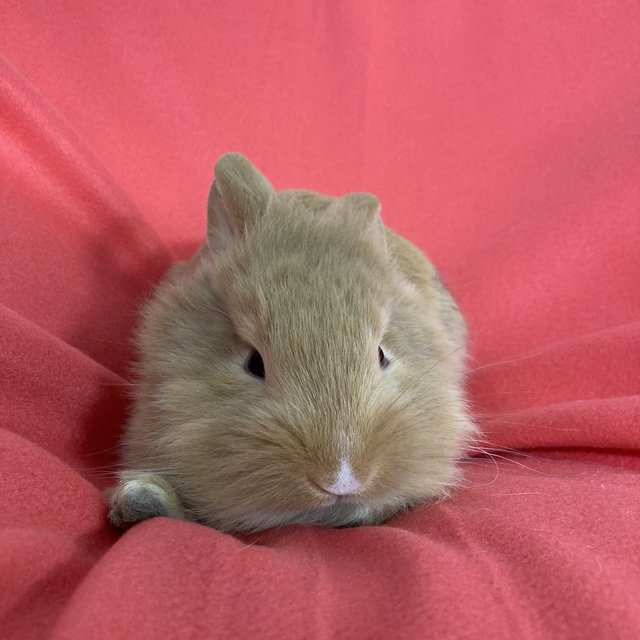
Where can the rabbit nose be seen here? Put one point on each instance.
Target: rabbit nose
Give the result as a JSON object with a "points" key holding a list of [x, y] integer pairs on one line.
{"points": [[344, 482]]}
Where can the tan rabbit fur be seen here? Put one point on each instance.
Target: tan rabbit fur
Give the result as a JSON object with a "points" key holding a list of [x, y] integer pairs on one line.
{"points": [[337, 432]]}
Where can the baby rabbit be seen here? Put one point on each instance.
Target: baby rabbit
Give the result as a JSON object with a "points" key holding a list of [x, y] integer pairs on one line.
{"points": [[305, 366]]}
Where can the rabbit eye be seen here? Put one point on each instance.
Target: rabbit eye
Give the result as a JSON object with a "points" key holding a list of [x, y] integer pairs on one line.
{"points": [[254, 364], [382, 359]]}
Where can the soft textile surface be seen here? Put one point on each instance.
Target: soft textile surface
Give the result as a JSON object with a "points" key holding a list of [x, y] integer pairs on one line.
{"points": [[503, 138]]}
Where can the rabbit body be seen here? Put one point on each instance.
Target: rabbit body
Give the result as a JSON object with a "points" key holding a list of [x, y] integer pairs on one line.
{"points": [[305, 366]]}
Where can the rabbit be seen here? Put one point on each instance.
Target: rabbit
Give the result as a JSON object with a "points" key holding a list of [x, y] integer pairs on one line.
{"points": [[305, 366]]}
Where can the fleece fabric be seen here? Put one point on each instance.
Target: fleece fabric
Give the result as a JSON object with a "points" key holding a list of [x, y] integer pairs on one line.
{"points": [[501, 137]]}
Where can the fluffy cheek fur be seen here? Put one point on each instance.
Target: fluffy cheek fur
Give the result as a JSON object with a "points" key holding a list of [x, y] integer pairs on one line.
{"points": [[251, 474], [421, 461]]}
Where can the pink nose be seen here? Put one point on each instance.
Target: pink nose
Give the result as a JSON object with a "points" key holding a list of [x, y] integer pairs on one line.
{"points": [[344, 482]]}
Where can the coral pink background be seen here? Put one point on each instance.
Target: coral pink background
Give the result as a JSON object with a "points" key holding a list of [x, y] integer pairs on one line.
{"points": [[502, 137]]}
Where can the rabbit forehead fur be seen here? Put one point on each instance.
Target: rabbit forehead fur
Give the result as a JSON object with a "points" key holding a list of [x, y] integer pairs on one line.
{"points": [[300, 281], [315, 290]]}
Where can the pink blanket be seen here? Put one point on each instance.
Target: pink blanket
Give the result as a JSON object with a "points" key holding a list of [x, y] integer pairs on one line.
{"points": [[503, 138]]}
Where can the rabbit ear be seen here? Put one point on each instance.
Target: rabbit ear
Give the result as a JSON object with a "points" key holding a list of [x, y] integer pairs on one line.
{"points": [[366, 207], [239, 196]]}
